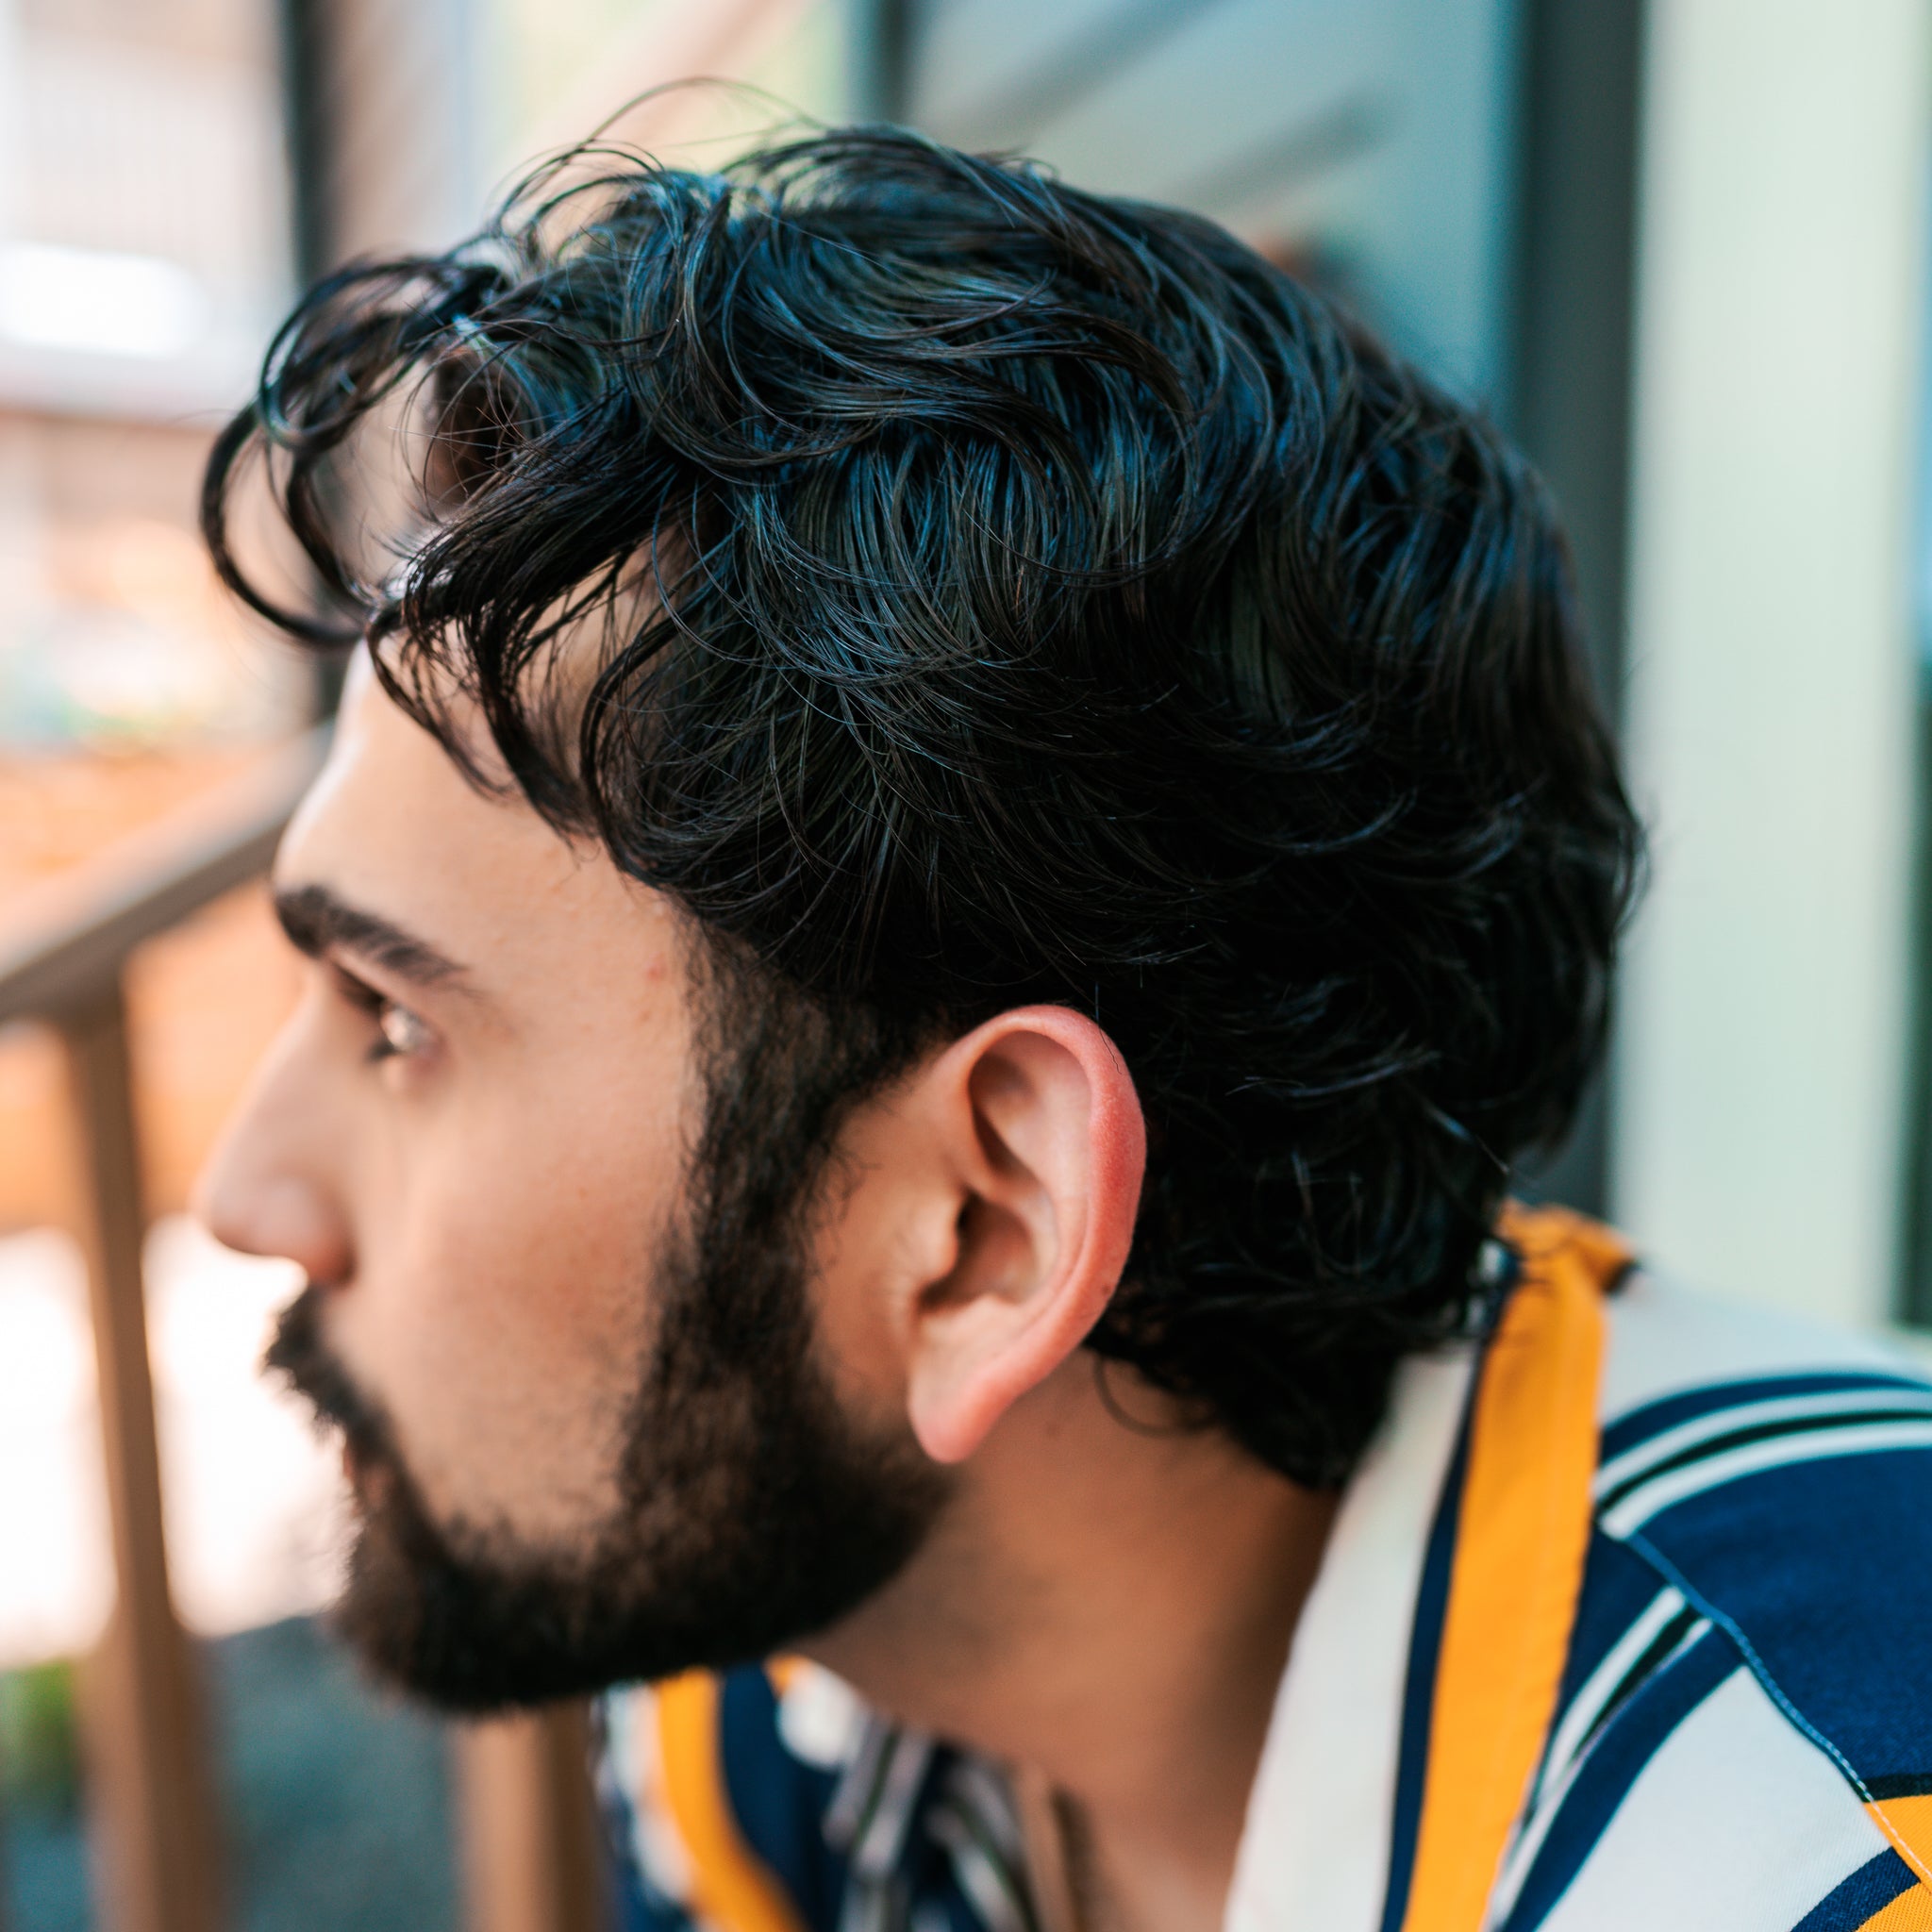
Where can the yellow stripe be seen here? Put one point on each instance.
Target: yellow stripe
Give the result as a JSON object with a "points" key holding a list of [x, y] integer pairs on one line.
{"points": [[731, 1888], [1907, 1823], [1520, 1545], [1911, 1911]]}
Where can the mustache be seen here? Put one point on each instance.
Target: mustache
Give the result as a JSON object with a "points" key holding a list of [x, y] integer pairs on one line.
{"points": [[299, 1355]]}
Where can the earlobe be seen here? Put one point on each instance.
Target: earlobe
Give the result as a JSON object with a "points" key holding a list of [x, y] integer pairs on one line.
{"points": [[1046, 1138]]}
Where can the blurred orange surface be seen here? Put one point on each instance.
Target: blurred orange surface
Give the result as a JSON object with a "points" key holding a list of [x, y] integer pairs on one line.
{"points": [[203, 999]]}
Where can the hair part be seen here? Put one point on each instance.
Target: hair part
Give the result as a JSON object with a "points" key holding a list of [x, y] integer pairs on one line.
{"points": [[1049, 600]]}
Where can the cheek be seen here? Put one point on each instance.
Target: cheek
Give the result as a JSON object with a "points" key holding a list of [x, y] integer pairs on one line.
{"points": [[505, 1322]]}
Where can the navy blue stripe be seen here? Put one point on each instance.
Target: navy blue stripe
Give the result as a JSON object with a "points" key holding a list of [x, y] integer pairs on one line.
{"points": [[1604, 1777], [1868, 1890], [1914, 1783], [1654, 1654], [1618, 1587], [1654, 1418], [1821, 1567], [929, 1871], [1418, 1701], [632, 1910], [778, 1802]]}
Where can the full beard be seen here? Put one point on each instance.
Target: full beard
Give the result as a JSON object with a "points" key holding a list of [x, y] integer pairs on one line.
{"points": [[755, 1510]]}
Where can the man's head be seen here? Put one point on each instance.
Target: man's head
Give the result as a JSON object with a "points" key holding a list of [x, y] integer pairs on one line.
{"points": [[645, 1351], [929, 673]]}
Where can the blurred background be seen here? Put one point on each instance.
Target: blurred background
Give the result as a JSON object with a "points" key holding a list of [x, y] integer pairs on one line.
{"points": [[1678, 248]]}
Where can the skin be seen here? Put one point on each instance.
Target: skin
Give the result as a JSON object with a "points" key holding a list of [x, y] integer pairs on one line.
{"points": [[1106, 1605]]}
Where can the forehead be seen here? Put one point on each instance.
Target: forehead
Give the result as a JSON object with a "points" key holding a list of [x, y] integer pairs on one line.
{"points": [[393, 828]]}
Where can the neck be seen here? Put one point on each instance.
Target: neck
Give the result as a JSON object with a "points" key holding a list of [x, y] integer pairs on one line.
{"points": [[1107, 1607]]}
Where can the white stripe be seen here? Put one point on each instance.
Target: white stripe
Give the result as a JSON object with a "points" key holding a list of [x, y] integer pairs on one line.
{"points": [[1737, 1824], [1522, 1855], [981, 1878], [1704, 1428], [1665, 1338], [879, 1849], [868, 1906], [856, 1787], [1315, 1850], [977, 1788], [1636, 1508], [821, 1719], [635, 1765], [1588, 1704]]}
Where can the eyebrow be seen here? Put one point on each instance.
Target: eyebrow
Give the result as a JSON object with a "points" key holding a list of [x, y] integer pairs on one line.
{"points": [[317, 922]]}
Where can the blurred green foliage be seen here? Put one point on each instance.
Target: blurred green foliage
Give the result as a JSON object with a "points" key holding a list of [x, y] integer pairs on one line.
{"points": [[39, 1743]]}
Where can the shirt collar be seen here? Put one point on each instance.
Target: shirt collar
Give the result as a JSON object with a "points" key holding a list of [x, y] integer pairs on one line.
{"points": [[1315, 1850]]}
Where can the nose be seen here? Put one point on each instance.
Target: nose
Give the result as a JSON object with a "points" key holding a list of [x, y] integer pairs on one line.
{"points": [[263, 1190], [281, 1216]]}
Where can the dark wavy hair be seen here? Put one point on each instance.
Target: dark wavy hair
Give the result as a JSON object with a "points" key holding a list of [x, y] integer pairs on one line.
{"points": [[1005, 593]]}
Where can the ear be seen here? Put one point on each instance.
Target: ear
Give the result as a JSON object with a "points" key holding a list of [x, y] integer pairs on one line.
{"points": [[1042, 1133]]}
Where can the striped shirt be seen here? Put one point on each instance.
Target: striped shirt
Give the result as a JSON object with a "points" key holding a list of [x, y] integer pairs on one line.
{"points": [[1626, 1620]]}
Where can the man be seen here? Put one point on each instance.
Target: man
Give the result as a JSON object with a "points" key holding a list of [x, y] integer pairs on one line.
{"points": [[968, 834]]}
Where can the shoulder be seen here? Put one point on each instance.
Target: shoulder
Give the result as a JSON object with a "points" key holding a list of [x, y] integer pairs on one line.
{"points": [[1779, 1478], [1745, 1730]]}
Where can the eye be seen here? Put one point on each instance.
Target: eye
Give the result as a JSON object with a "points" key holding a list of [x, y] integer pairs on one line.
{"points": [[403, 1032], [399, 1032]]}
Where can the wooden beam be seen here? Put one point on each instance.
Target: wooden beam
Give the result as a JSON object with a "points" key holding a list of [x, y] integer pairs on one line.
{"points": [[531, 1855], [151, 1798]]}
